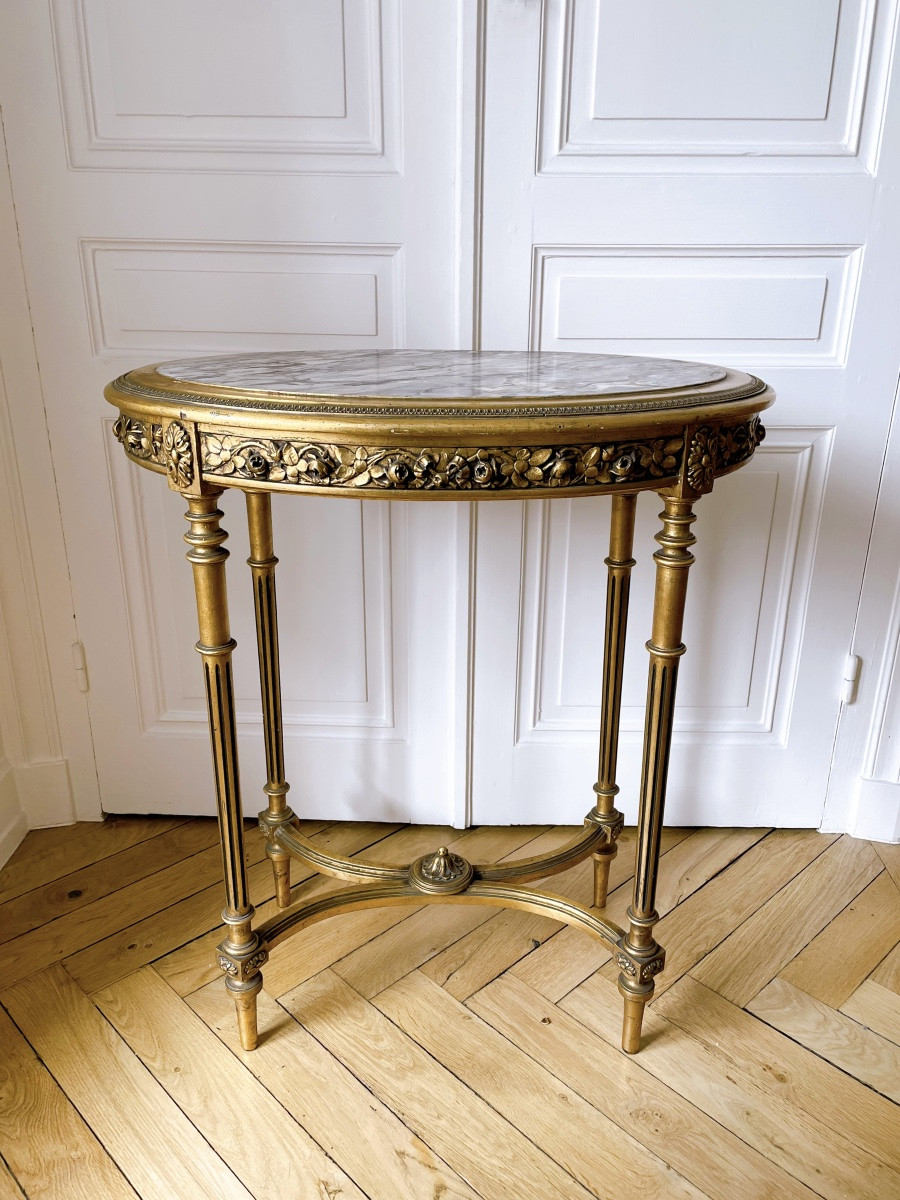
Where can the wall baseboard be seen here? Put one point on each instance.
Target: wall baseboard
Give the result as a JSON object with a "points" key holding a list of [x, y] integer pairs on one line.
{"points": [[878, 811], [45, 793], [13, 825]]}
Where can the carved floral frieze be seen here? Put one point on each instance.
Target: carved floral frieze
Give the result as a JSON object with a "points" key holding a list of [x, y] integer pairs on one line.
{"points": [[326, 465], [141, 439], [711, 450], [714, 450]]}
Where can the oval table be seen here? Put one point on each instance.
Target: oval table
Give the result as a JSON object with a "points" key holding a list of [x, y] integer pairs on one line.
{"points": [[431, 426]]}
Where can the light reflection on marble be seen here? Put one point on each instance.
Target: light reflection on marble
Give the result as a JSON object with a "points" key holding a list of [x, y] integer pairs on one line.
{"points": [[441, 374]]}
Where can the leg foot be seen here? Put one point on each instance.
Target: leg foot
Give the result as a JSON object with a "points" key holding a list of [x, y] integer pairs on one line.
{"points": [[281, 869], [241, 957], [641, 959], [245, 994], [269, 823], [633, 1016], [602, 862]]}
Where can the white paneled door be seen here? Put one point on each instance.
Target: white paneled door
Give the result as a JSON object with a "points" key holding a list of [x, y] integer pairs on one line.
{"points": [[197, 177], [696, 180], [708, 181]]}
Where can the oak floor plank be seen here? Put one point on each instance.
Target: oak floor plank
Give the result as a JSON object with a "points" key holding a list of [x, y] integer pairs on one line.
{"points": [[718, 1101], [246, 1126], [421, 933], [43, 1138], [373, 1146], [689, 868], [568, 957], [107, 918], [839, 958], [154, 1144], [40, 841], [606, 1160], [890, 856], [720, 1163], [756, 951], [825, 1161], [478, 1143], [685, 867], [837, 1038], [9, 1189], [136, 945], [876, 1007], [887, 973], [313, 949], [707, 917], [193, 963], [779, 1065], [47, 854], [114, 872]]}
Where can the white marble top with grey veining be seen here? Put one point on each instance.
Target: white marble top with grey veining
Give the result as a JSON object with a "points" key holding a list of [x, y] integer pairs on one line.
{"points": [[441, 374]]}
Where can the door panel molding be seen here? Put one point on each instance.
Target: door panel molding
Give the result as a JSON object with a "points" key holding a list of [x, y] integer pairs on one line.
{"points": [[312, 88], [781, 306], [630, 109]]}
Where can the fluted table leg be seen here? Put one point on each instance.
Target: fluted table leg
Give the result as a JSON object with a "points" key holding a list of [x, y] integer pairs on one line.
{"points": [[240, 954], [262, 563], [619, 564], [641, 958]]}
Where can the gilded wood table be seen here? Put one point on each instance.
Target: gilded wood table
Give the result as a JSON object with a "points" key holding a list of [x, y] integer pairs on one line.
{"points": [[440, 425]]}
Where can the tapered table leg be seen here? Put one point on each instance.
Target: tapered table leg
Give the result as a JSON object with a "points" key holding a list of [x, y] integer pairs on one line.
{"points": [[262, 563], [641, 958], [619, 564], [240, 954]]}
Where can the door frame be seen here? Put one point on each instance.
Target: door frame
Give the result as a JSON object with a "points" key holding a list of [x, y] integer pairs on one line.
{"points": [[44, 726], [863, 795]]}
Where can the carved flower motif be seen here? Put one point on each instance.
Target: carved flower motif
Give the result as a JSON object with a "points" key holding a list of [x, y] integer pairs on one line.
{"points": [[459, 471], [315, 465], [394, 470], [136, 440], [218, 454], [353, 464], [178, 455], [287, 466], [623, 463], [661, 457], [256, 462], [306, 464], [703, 459], [522, 470], [739, 441], [134, 436], [485, 469], [587, 463]]}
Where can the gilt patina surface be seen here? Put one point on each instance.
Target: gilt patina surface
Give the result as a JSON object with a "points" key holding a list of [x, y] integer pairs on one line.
{"points": [[431, 425]]}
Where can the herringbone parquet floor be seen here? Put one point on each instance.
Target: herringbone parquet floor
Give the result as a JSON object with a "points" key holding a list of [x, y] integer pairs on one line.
{"points": [[453, 1052]]}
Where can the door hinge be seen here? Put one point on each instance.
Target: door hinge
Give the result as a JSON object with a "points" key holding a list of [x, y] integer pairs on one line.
{"points": [[78, 658], [850, 680]]}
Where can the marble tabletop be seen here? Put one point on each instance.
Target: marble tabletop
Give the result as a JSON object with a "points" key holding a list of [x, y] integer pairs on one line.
{"points": [[440, 374]]}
